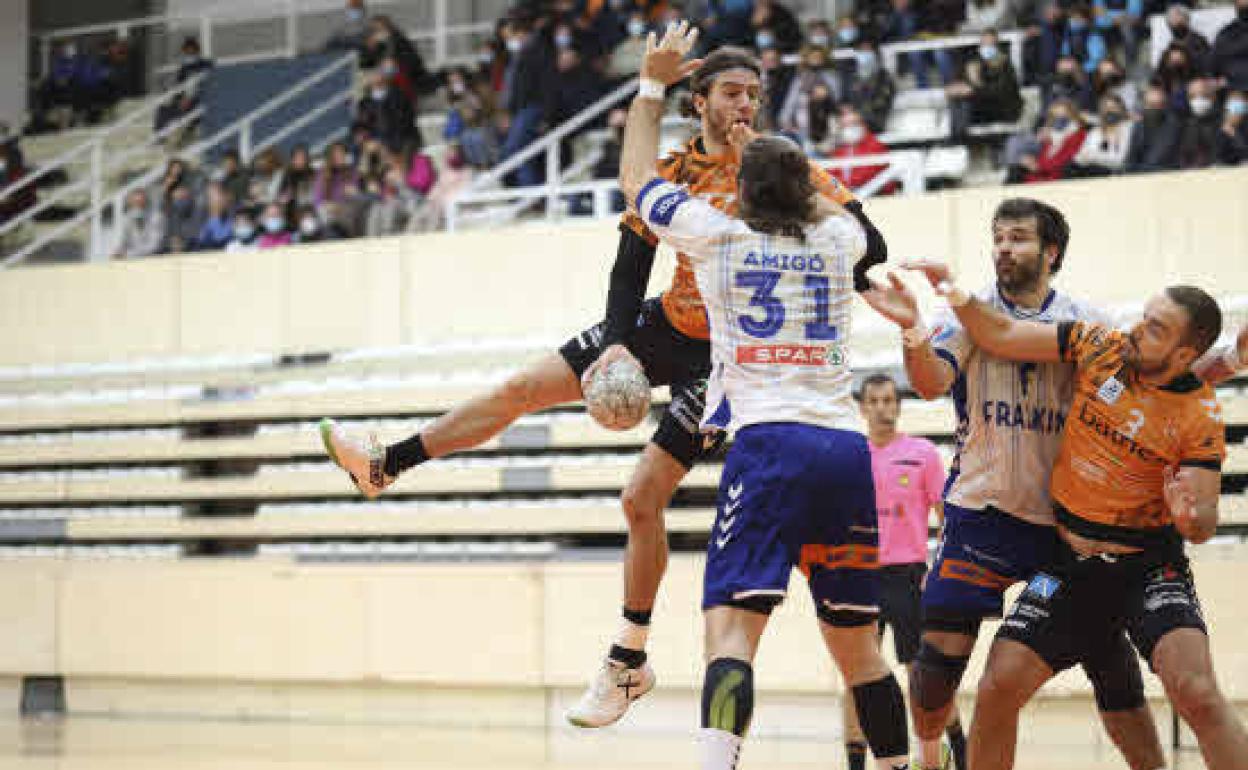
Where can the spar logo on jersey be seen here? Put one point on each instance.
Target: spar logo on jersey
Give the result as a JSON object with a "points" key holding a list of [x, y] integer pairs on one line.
{"points": [[791, 355]]}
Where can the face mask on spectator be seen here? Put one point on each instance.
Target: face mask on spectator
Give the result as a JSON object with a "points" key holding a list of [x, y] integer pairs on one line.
{"points": [[243, 230], [1201, 105], [1233, 107], [355, 14], [636, 27], [457, 87], [309, 226], [389, 70], [218, 175], [764, 40], [866, 63], [379, 93], [515, 44], [820, 40], [274, 224], [847, 35], [563, 40], [1059, 122], [852, 134], [988, 52]]}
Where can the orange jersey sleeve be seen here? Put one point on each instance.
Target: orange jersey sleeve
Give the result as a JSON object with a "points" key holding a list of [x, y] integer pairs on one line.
{"points": [[1120, 437], [829, 186]]}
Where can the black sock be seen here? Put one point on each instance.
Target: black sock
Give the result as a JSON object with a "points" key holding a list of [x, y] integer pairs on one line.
{"points": [[638, 617], [882, 714], [728, 696], [408, 453], [856, 755], [630, 658], [957, 744]]}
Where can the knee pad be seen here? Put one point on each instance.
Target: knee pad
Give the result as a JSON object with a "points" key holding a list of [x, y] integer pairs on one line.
{"points": [[935, 677], [728, 696]]}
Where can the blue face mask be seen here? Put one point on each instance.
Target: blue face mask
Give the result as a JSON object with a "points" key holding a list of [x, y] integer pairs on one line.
{"points": [[988, 52], [1237, 107], [866, 63], [847, 35], [1078, 25], [1060, 124], [764, 40]]}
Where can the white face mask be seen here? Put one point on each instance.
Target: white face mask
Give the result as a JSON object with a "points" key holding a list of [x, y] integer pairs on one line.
{"points": [[379, 94], [636, 27], [308, 226], [515, 44], [563, 40], [820, 40], [852, 134], [243, 230], [274, 224], [1201, 105]]}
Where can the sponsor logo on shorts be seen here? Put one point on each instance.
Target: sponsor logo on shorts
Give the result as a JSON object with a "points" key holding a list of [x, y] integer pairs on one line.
{"points": [[1043, 586], [728, 517], [790, 355]]}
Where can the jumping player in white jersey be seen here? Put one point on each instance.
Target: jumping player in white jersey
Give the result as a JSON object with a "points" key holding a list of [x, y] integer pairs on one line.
{"points": [[999, 525], [778, 286]]}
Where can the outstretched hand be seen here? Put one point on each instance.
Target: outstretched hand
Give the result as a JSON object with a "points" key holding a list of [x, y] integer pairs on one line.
{"points": [[938, 274], [664, 59], [894, 301]]}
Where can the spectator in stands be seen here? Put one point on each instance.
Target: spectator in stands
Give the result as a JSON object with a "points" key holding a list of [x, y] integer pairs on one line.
{"points": [[1083, 40], [1179, 20], [471, 117], [267, 176], [1110, 79], [909, 23], [1232, 147], [727, 22], [774, 25], [311, 230], [1175, 72], [1046, 42], [352, 33], [177, 174], [871, 89], [1155, 137], [141, 230], [229, 172], [98, 86], [819, 34], [275, 232], [387, 115], [1230, 50], [985, 15], [1198, 140], [184, 219], [246, 236], [190, 63], [58, 96], [777, 80], [988, 91], [814, 81], [1059, 140], [12, 171], [531, 75], [1120, 23], [218, 227], [456, 175], [626, 57], [1068, 82], [387, 41], [852, 140], [1104, 151], [847, 33], [393, 201], [336, 180], [579, 86], [872, 17], [298, 178]]}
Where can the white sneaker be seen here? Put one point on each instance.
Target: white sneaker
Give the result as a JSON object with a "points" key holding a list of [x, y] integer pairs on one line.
{"points": [[362, 461], [609, 695]]}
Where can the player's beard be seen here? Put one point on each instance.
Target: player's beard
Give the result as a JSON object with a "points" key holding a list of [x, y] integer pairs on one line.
{"points": [[1020, 275]]}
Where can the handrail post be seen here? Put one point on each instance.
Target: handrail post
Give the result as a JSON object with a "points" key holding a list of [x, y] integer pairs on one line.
{"points": [[205, 36], [96, 246], [244, 143], [47, 55], [439, 40], [292, 29], [552, 180]]}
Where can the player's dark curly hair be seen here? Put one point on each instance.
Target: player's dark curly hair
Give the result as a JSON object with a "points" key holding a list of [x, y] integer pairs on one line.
{"points": [[1050, 224], [720, 60], [776, 194]]}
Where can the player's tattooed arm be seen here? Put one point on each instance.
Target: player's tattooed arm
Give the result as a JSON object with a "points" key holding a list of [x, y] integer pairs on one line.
{"points": [[995, 333], [1192, 496], [1224, 362]]}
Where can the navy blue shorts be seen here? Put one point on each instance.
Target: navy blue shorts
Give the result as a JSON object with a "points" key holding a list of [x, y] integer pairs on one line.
{"points": [[795, 495], [981, 554]]}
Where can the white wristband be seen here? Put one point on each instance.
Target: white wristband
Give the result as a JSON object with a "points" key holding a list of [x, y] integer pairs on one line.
{"points": [[1232, 358], [915, 336], [651, 89], [954, 295]]}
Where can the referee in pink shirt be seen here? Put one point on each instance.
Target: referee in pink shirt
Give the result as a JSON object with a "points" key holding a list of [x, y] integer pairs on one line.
{"points": [[909, 483]]}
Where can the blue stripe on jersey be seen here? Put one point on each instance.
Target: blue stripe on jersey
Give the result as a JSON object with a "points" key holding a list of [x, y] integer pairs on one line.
{"points": [[958, 394], [722, 415], [647, 187], [951, 358]]}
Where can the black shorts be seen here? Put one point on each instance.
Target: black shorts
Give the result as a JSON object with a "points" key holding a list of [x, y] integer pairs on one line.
{"points": [[901, 591], [668, 358], [1076, 610]]}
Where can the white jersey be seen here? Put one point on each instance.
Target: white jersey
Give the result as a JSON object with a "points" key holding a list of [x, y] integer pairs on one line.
{"points": [[779, 311], [1010, 414]]}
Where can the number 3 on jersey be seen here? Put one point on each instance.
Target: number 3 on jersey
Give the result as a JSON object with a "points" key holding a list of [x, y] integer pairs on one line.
{"points": [[764, 282]]}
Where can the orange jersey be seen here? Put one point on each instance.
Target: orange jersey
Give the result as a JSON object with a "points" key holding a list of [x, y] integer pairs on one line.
{"points": [[714, 178], [1121, 434]]}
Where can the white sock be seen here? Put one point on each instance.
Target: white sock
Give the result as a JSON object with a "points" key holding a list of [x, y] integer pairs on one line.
{"points": [[930, 752], [632, 636], [893, 763], [719, 749]]}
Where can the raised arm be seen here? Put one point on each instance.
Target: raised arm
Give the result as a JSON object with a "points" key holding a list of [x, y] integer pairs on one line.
{"points": [[1223, 363], [930, 374]]}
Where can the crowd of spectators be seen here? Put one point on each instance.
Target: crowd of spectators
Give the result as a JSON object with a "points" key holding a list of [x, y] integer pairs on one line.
{"points": [[1103, 108]]}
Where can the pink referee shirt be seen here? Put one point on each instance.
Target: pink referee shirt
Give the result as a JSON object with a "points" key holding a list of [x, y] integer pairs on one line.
{"points": [[909, 480]]}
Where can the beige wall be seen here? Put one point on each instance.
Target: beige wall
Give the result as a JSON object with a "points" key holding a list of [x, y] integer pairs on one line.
{"points": [[499, 626], [1130, 236]]}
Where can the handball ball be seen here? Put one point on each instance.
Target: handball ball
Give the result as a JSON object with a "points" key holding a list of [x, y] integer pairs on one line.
{"points": [[618, 396]]}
